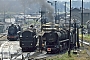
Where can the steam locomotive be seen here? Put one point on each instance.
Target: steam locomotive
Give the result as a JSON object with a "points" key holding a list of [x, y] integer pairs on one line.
{"points": [[13, 34], [57, 40], [28, 40]]}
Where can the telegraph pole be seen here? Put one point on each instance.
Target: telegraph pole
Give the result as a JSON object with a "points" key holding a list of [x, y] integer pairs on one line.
{"points": [[82, 24], [4, 13], [24, 11], [78, 45], [55, 12], [55, 8], [75, 32], [69, 51], [65, 13], [4, 17]]}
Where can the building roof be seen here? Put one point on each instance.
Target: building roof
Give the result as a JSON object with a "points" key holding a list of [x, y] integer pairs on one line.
{"points": [[75, 9], [80, 10], [86, 11], [1, 23]]}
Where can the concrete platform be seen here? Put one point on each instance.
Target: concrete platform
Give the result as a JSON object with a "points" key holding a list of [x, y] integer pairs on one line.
{"points": [[10, 48]]}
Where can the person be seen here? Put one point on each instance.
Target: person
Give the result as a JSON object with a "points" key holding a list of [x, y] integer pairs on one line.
{"points": [[18, 28], [12, 24], [31, 27]]}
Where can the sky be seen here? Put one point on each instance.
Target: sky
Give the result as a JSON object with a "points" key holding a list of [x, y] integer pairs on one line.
{"points": [[69, 0]]}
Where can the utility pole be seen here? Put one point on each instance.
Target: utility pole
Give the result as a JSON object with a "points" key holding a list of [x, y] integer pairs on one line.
{"points": [[78, 45], [4, 16], [55, 8], [65, 13], [42, 13], [69, 51], [75, 32], [82, 24], [4, 13], [24, 12], [58, 20], [55, 12]]}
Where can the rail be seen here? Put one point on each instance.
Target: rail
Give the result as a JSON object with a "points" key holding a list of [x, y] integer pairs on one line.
{"points": [[84, 42], [2, 35], [88, 44]]}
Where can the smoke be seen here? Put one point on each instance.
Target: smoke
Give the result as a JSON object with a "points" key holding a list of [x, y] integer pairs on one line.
{"points": [[9, 6], [44, 6]]}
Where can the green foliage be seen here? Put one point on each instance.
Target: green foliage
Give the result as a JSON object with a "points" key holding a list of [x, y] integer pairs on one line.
{"points": [[85, 37], [66, 57], [63, 57]]}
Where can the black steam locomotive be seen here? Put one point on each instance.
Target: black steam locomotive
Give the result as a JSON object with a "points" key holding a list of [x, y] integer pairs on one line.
{"points": [[28, 41], [12, 33], [56, 41]]}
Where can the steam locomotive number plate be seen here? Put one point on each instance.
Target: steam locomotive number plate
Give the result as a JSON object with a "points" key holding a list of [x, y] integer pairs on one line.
{"points": [[48, 49], [11, 36]]}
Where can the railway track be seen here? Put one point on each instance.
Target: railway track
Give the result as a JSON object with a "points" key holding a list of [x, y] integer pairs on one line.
{"points": [[11, 50], [40, 56], [43, 57], [87, 47], [3, 37], [19, 55]]}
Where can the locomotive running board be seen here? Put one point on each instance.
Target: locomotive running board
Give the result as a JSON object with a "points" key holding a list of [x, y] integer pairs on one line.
{"points": [[64, 40]]}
